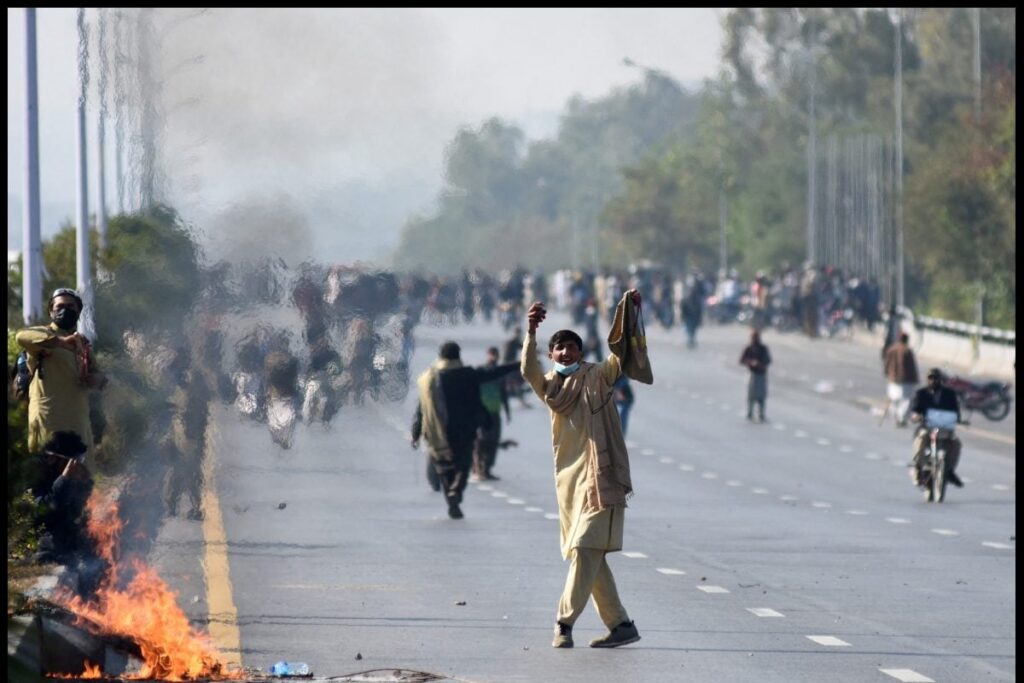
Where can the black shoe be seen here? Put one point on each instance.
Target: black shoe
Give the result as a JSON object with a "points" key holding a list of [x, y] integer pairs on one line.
{"points": [[623, 634], [563, 635], [454, 511], [955, 480], [491, 477]]}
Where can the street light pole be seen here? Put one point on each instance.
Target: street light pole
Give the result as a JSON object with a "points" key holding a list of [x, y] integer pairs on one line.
{"points": [[31, 249], [812, 161], [82, 270], [899, 157]]}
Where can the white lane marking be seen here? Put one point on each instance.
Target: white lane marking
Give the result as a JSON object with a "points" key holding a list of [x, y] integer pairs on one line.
{"points": [[830, 641], [759, 491], [945, 532], [823, 442], [821, 504], [671, 572], [787, 498], [534, 508], [647, 451], [630, 444], [687, 468], [966, 480], [550, 515], [734, 482], [516, 501], [897, 520], [778, 425], [725, 406], [713, 589], [635, 555], [666, 460], [800, 434], [872, 456], [709, 475], [1000, 546], [485, 487], [856, 512], [846, 449], [499, 494], [907, 675], [764, 612], [1000, 487]]}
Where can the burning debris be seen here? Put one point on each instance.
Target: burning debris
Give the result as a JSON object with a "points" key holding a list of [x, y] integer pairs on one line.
{"points": [[134, 608]]}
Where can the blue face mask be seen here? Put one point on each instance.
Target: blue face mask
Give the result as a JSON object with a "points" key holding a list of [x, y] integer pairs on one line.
{"points": [[566, 369]]}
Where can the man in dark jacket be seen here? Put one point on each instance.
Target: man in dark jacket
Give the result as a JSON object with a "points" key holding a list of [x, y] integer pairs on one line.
{"points": [[757, 359], [936, 396], [447, 418], [901, 373]]}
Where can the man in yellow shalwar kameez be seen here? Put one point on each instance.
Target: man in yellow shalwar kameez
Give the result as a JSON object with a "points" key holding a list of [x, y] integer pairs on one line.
{"points": [[591, 475]]}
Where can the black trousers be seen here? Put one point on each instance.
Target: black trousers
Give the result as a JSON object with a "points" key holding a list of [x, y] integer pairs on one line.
{"points": [[454, 475]]}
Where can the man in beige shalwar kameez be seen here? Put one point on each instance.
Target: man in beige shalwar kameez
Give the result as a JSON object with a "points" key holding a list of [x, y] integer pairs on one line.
{"points": [[591, 476]]}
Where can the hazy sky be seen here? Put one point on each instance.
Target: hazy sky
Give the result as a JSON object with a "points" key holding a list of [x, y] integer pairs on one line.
{"points": [[320, 105]]}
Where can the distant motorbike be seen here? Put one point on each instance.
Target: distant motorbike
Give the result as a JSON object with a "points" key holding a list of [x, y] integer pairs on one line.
{"points": [[933, 468], [991, 398]]}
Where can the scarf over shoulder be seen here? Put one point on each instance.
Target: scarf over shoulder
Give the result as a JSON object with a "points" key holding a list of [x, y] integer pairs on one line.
{"points": [[435, 409], [608, 480]]}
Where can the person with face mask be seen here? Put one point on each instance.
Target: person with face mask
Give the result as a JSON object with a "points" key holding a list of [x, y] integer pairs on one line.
{"points": [[64, 371], [592, 480]]}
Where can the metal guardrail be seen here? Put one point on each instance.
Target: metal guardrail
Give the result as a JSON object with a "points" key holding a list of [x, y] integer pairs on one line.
{"points": [[961, 329]]}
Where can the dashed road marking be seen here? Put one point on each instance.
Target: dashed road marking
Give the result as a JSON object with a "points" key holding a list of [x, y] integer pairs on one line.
{"points": [[846, 449], [533, 508], [759, 491], [821, 504], [671, 572], [907, 676], [635, 555], [687, 468], [725, 406], [709, 475], [713, 589], [666, 460], [897, 520], [485, 487], [999, 546], [550, 515], [856, 512], [778, 425], [734, 482], [872, 456], [999, 487], [499, 494], [647, 451], [787, 498], [823, 442], [829, 641], [764, 612], [945, 532], [516, 501], [800, 434]]}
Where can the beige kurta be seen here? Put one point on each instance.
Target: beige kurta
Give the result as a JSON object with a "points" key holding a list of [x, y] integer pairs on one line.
{"points": [[58, 399], [601, 530]]}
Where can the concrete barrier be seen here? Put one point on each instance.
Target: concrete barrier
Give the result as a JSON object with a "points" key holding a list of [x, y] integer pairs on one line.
{"points": [[935, 348]]}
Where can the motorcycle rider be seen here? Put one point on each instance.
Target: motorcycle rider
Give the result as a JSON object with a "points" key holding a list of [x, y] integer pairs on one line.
{"points": [[934, 395]]}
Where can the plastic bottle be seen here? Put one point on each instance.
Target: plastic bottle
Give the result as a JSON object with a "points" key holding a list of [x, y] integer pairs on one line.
{"points": [[289, 669]]}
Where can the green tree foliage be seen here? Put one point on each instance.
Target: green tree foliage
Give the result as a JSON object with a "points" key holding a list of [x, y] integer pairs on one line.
{"points": [[504, 197]]}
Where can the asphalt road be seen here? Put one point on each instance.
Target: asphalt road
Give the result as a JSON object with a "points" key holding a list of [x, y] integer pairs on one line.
{"points": [[796, 550]]}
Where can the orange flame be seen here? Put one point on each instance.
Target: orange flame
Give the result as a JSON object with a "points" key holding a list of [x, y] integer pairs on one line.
{"points": [[145, 610], [91, 671]]}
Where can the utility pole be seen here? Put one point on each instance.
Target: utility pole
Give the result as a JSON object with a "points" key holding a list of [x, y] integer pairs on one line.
{"points": [[101, 175], [82, 270], [723, 258], [976, 20], [31, 249], [812, 159], [899, 157]]}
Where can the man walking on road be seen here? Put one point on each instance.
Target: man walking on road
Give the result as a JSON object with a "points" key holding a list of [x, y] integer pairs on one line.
{"points": [[447, 417], [756, 357], [901, 373], [591, 471]]}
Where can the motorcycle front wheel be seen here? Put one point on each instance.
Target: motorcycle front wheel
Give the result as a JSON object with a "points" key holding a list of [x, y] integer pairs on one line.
{"points": [[939, 479], [996, 411]]}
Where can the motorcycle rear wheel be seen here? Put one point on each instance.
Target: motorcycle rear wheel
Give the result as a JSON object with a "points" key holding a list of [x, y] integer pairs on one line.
{"points": [[997, 411]]}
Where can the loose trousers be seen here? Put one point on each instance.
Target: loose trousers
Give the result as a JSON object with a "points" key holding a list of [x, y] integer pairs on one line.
{"points": [[589, 574]]}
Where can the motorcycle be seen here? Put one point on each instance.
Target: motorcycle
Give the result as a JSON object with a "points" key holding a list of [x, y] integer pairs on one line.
{"points": [[991, 398], [933, 468]]}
